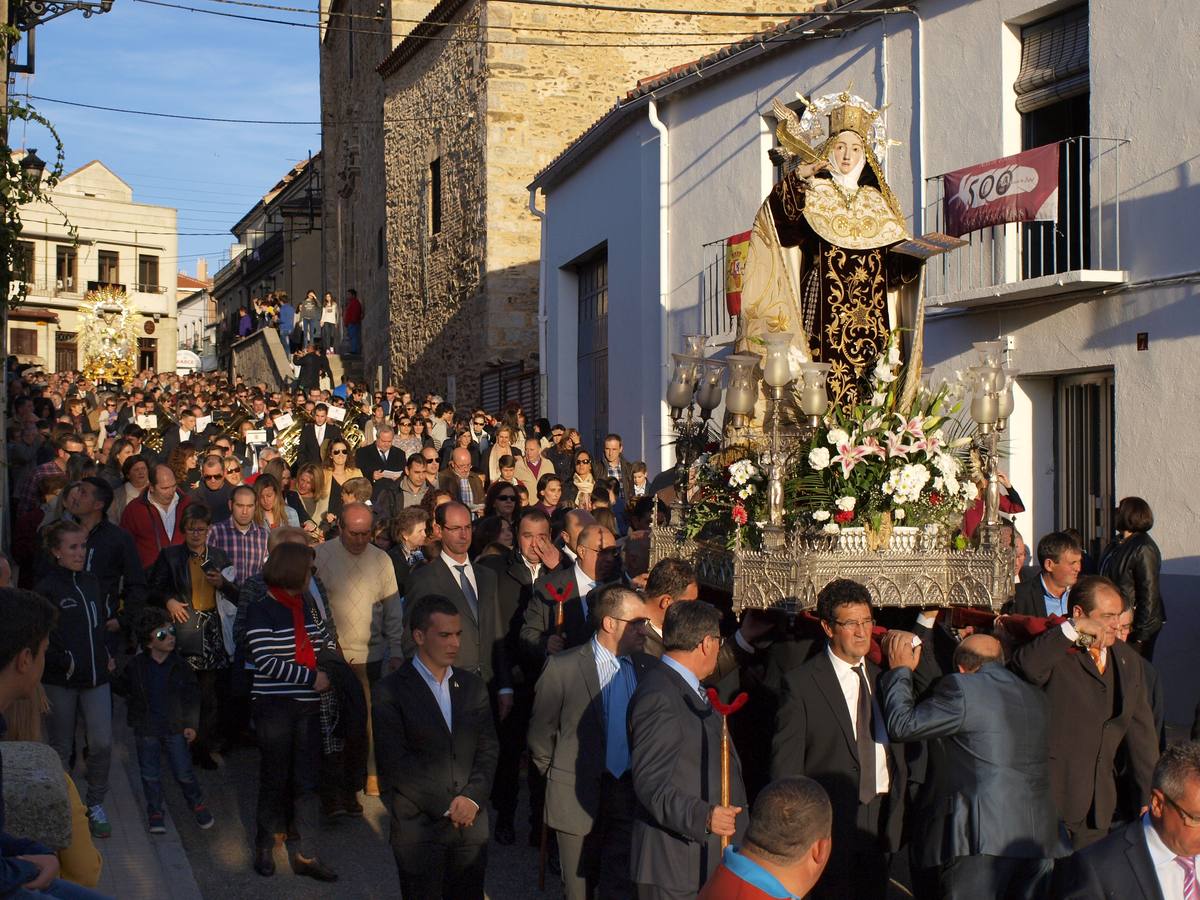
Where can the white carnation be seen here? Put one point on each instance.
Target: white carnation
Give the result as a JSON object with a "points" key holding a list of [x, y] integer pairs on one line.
{"points": [[838, 436], [818, 458], [821, 515], [971, 492], [831, 528], [898, 514], [846, 504]]}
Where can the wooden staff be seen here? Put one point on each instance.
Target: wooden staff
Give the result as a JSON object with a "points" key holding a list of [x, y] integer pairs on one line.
{"points": [[725, 710], [559, 619]]}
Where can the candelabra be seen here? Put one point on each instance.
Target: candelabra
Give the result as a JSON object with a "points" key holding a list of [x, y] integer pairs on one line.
{"points": [[693, 393], [991, 406]]}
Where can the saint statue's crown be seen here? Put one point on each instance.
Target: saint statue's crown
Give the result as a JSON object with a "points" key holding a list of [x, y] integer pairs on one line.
{"points": [[849, 116]]}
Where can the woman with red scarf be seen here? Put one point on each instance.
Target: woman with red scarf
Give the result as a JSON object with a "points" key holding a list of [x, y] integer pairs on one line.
{"points": [[283, 641]]}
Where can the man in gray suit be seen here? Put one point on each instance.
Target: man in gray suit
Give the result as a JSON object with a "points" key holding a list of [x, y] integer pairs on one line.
{"points": [[473, 590], [578, 740], [675, 739], [990, 826]]}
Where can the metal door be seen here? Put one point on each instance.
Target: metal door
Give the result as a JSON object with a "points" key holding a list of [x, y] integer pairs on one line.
{"points": [[1084, 444], [593, 350]]}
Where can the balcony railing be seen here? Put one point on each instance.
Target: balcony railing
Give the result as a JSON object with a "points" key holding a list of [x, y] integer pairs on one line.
{"points": [[1024, 259], [151, 288], [101, 285]]}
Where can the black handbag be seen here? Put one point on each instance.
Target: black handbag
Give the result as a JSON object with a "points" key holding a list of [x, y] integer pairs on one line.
{"points": [[189, 635]]}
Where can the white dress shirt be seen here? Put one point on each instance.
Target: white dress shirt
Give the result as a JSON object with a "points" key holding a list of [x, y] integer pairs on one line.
{"points": [[849, 683], [453, 564], [585, 584], [319, 431], [1169, 872], [167, 514], [440, 689]]}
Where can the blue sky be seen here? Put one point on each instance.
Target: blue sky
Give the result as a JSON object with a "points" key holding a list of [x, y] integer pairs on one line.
{"points": [[145, 57]]}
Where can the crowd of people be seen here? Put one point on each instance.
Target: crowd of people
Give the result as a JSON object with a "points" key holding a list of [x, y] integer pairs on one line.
{"points": [[436, 606], [308, 324]]}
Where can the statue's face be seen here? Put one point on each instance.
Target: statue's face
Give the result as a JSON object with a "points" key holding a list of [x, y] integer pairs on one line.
{"points": [[847, 152]]}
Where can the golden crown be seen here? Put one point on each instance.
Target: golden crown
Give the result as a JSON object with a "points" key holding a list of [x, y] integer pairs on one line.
{"points": [[848, 116]]}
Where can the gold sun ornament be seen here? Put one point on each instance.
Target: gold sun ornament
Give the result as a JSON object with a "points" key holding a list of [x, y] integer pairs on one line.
{"points": [[108, 336]]}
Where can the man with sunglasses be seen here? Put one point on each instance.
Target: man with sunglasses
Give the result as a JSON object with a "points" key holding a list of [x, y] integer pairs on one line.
{"points": [[1155, 855], [214, 490], [598, 563]]}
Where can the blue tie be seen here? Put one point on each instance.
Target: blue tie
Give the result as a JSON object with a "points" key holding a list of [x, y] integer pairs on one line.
{"points": [[620, 689], [468, 591]]}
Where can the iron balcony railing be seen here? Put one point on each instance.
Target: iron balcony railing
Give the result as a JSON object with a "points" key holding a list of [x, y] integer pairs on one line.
{"points": [[1086, 235]]}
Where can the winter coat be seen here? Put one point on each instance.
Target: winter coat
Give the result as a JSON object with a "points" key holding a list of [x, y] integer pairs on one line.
{"points": [[77, 656], [183, 693]]}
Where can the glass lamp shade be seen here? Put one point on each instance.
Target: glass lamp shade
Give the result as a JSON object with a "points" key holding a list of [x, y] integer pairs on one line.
{"points": [[693, 344], [777, 368], [1006, 394], [683, 381], [814, 395], [712, 379], [743, 385], [985, 405], [991, 353]]}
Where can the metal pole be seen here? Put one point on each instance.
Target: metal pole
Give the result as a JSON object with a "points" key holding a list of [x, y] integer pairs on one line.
{"points": [[6, 511]]}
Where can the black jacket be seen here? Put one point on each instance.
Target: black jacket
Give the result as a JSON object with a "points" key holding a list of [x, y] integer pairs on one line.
{"points": [[312, 451], [112, 557], [171, 577], [183, 693], [312, 367], [77, 656], [1134, 565]]}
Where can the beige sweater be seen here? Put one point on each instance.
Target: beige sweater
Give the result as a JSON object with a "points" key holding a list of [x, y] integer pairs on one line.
{"points": [[365, 601]]}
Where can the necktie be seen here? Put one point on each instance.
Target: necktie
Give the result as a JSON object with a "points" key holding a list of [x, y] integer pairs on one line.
{"points": [[1190, 889], [620, 689], [863, 740], [1098, 658], [469, 592]]}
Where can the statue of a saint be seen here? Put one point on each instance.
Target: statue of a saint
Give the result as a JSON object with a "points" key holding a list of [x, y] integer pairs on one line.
{"points": [[818, 264]]}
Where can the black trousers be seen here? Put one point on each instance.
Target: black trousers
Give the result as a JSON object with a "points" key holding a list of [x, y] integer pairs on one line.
{"points": [[289, 741], [215, 730], [857, 868], [446, 867], [998, 877], [512, 733], [597, 864]]}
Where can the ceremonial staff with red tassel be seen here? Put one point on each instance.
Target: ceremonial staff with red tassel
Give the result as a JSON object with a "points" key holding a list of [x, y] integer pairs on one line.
{"points": [[559, 598], [725, 710]]}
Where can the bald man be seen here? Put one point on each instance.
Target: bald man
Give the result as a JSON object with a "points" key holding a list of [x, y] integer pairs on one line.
{"points": [[986, 820]]}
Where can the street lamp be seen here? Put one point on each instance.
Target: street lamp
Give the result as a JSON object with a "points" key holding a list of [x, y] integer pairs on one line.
{"points": [[33, 167], [32, 13]]}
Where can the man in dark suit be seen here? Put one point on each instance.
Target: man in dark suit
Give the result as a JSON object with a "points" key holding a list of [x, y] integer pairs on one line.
{"points": [[463, 484], [1098, 704], [379, 457], [675, 742], [436, 751], [578, 740], [989, 823], [1153, 857], [316, 436], [472, 589], [830, 728], [1060, 558], [598, 563], [174, 435], [613, 464], [515, 577]]}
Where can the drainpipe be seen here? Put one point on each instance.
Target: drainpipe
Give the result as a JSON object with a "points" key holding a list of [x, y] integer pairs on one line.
{"points": [[542, 319], [664, 277], [919, 227]]}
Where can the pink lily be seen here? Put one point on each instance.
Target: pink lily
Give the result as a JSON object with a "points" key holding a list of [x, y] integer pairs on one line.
{"points": [[931, 444], [912, 427], [895, 446], [870, 447], [849, 456]]}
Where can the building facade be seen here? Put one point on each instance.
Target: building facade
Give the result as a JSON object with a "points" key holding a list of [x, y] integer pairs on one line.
{"points": [[1098, 309], [117, 241], [474, 98], [278, 249], [197, 311]]}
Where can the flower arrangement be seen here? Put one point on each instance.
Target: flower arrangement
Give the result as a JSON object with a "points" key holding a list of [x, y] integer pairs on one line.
{"points": [[870, 466]]}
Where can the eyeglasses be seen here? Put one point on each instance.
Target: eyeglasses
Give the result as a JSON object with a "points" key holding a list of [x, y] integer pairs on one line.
{"points": [[1189, 820], [216, 476], [478, 422], [163, 633], [854, 624], [197, 529], [341, 452]]}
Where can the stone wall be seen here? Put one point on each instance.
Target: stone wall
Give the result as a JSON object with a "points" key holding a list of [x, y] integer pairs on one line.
{"points": [[434, 105], [353, 215], [261, 358]]}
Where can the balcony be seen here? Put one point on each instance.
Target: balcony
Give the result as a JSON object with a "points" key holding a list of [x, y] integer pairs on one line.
{"points": [[101, 285], [151, 288], [1023, 260]]}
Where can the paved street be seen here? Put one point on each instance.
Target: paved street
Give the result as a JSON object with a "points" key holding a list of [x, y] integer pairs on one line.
{"points": [[221, 860]]}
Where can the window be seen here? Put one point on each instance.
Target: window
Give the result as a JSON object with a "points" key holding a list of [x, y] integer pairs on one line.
{"points": [[23, 341], [435, 196], [1084, 449], [23, 264], [66, 351], [593, 348], [109, 271], [148, 274], [66, 267], [147, 353]]}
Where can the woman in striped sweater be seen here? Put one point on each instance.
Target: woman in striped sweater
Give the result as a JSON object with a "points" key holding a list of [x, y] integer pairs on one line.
{"points": [[283, 641]]}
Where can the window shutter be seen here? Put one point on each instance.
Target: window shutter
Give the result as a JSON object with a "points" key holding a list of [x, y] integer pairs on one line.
{"points": [[1054, 60]]}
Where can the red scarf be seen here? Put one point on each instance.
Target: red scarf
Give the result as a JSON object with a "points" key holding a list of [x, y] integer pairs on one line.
{"points": [[305, 655]]}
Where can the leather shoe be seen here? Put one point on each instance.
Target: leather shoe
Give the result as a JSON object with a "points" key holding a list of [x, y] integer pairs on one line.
{"points": [[312, 868], [506, 835], [264, 861]]}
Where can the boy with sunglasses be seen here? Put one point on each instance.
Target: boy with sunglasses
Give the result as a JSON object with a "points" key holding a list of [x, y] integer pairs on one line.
{"points": [[163, 702]]}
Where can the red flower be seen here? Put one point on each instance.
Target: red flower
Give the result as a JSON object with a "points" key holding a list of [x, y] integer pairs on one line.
{"points": [[935, 498], [739, 514], [846, 515]]}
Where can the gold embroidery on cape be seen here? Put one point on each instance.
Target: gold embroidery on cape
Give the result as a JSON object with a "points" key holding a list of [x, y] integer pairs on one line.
{"points": [[866, 223], [856, 330]]}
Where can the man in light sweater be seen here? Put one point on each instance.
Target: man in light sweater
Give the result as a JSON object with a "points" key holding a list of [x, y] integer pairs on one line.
{"points": [[366, 605]]}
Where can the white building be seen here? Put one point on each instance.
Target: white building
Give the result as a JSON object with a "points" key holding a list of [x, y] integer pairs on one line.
{"points": [[119, 242], [1102, 317], [197, 320]]}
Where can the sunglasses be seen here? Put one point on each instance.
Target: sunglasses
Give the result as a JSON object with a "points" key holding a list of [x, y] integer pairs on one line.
{"points": [[583, 462], [342, 452], [507, 498], [163, 633], [217, 476]]}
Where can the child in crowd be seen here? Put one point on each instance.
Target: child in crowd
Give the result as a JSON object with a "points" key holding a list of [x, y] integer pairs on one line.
{"points": [[163, 701], [641, 479], [508, 469]]}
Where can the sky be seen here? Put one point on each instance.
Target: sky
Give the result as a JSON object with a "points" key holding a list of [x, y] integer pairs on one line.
{"points": [[140, 56]]}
